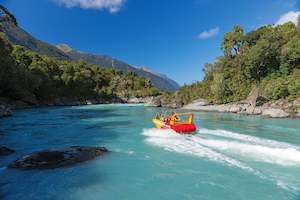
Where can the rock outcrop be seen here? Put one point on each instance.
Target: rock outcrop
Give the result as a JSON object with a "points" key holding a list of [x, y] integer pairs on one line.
{"points": [[298, 113], [134, 100], [274, 112], [165, 101], [58, 158], [256, 97], [154, 102], [4, 151], [197, 103]]}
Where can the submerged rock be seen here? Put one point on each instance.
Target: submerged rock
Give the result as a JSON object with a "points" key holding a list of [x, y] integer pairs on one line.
{"points": [[58, 158], [4, 151]]}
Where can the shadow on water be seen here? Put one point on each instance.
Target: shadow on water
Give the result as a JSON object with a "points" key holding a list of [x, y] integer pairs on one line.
{"points": [[60, 127], [51, 183], [109, 125], [2, 185], [89, 114]]}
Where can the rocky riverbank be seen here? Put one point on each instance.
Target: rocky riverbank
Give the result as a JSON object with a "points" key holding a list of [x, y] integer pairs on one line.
{"points": [[163, 101], [277, 109], [8, 105]]}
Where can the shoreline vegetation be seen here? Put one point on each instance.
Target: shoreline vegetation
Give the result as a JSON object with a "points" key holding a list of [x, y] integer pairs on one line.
{"points": [[258, 74], [274, 109]]}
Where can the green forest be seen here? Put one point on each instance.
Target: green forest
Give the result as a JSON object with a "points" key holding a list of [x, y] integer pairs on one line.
{"points": [[34, 79], [267, 58]]}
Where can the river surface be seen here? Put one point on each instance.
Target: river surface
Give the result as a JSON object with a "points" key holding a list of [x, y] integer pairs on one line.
{"points": [[232, 157]]}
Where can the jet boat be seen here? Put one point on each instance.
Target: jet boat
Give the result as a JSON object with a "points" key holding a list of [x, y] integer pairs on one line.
{"points": [[179, 122]]}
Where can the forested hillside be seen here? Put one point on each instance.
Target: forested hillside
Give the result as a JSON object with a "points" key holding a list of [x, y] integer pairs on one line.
{"points": [[34, 79], [267, 58], [160, 81]]}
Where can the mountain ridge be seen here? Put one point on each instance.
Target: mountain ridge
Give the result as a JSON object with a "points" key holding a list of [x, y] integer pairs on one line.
{"points": [[16, 35], [159, 80]]}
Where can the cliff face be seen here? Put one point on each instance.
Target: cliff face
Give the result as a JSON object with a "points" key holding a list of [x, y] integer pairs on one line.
{"points": [[16, 35]]}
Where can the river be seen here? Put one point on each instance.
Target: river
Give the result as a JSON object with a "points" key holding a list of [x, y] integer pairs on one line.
{"points": [[232, 157]]}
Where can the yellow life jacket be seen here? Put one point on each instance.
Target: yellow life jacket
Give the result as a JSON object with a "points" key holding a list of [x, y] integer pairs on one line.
{"points": [[173, 119]]}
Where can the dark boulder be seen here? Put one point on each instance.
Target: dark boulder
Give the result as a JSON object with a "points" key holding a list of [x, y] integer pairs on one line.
{"points": [[58, 158], [4, 151]]}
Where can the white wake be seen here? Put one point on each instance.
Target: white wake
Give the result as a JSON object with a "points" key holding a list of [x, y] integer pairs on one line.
{"points": [[229, 148], [171, 141], [254, 148], [222, 146]]}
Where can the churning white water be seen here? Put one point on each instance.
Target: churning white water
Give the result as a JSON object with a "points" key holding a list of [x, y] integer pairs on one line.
{"points": [[229, 148]]}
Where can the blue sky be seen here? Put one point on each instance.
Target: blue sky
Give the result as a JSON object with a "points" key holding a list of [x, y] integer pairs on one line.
{"points": [[173, 37]]}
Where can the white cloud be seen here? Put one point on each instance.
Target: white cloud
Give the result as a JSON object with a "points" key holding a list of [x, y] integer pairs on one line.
{"points": [[291, 16], [209, 33], [111, 5]]}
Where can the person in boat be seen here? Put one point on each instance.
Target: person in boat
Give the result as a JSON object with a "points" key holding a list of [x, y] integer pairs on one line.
{"points": [[172, 119], [159, 116]]}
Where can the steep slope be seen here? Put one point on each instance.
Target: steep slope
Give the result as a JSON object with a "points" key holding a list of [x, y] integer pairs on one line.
{"points": [[170, 81], [18, 36], [159, 80]]}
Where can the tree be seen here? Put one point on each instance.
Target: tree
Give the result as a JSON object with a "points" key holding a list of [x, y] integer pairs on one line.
{"points": [[233, 41]]}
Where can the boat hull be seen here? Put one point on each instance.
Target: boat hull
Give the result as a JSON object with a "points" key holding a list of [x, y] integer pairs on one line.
{"points": [[179, 128]]}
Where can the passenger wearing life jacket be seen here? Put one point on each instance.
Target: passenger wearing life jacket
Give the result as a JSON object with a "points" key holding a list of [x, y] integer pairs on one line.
{"points": [[174, 118], [167, 120]]}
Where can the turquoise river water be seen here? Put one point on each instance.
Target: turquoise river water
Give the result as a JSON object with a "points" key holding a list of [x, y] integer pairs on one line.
{"points": [[231, 156]]}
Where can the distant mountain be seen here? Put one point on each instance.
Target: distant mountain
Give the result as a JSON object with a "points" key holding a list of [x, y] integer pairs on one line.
{"points": [[16, 35], [159, 80]]}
